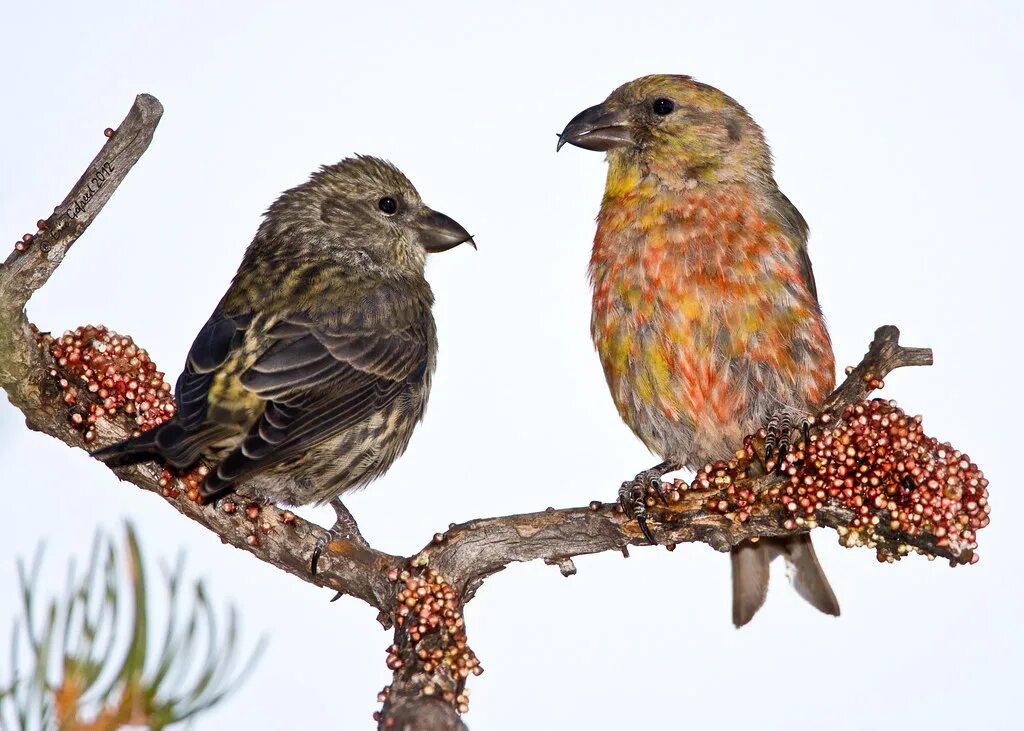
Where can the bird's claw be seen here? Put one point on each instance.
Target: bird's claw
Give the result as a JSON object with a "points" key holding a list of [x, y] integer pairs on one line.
{"points": [[641, 521], [344, 528], [633, 499], [777, 441], [633, 496], [318, 550]]}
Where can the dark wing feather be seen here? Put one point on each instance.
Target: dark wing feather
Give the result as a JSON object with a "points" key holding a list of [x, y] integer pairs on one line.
{"points": [[181, 442], [219, 337], [317, 381]]}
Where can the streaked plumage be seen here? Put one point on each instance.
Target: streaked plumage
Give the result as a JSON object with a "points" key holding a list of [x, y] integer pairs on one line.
{"points": [[705, 312], [315, 366]]}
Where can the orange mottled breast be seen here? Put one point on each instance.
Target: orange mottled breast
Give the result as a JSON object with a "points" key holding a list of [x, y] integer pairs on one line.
{"points": [[702, 316]]}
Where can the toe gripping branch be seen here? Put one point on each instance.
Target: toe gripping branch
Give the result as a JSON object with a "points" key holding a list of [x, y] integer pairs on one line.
{"points": [[777, 440], [345, 528], [633, 495], [777, 432]]}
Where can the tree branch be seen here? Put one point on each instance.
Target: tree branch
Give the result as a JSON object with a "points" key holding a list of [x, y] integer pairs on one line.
{"points": [[26, 271], [423, 596]]}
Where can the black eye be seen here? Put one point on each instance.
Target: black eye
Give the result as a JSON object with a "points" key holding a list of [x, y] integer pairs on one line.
{"points": [[388, 205], [663, 106]]}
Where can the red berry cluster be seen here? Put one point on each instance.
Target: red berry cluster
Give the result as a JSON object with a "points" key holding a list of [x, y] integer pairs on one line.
{"points": [[23, 243], [879, 463], [190, 479], [723, 477], [119, 373], [428, 607], [876, 462], [382, 697]]}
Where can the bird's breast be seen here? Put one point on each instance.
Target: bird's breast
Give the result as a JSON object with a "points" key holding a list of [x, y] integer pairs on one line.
{"points": [[698, 300]]}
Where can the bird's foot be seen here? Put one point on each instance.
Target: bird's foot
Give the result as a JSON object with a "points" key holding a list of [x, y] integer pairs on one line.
{"points": [[345, 528], [778, 438], [633, 495]]}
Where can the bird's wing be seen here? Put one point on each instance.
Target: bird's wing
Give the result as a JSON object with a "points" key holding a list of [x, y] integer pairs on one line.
{"points": [[220, 337], [182, 440], [318, 380], [796, 226]]}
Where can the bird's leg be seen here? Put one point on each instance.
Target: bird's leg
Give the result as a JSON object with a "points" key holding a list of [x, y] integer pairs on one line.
{"points": [[777, 440], [633, 494], [345, 528]]}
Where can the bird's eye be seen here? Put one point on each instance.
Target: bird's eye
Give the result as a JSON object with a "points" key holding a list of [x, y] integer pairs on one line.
{"points": [[388, 205], [663, 106]]}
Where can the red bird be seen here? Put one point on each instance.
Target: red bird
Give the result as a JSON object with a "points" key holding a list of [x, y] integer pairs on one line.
{"points": [[705, 312]]}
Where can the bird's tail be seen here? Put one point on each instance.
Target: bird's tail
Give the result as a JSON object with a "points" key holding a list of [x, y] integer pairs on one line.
{"points": [[750, 575], [169, 441], [131, 451]]}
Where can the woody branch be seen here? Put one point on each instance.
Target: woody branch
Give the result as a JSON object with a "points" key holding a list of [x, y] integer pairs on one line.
{"points": [[421, 596]]}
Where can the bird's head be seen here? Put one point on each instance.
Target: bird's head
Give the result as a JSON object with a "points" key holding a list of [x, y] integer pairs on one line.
{"points": [[675, 128], [365, 208]]}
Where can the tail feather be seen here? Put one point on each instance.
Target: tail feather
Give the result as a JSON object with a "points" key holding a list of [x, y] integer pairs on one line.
{"points": [[807, 576], [174, 445], [750, 563], [749, 581], [142, 448]]}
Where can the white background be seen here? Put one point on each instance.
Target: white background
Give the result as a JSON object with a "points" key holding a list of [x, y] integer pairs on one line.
{"points": [[897, 132]]}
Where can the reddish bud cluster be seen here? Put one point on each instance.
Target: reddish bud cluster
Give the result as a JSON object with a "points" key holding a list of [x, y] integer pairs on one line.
{"points": [[382, 697], [117, 372], [722, 476], [665, 492], [23, 243], [876, 462], [189, 479], [428, 607], [879, 463], [251, 513]]}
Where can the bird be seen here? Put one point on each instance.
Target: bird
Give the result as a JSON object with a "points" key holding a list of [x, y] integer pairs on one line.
{"points": [[315, 367], [705, 312]]}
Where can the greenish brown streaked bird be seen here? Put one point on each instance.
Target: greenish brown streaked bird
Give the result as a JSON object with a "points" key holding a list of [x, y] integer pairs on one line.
{"points": [[315, 367], [705, 310]]}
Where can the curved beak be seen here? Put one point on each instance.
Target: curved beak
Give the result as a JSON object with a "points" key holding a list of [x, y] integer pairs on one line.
{"points": [[436, 232], [597, 128]]}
